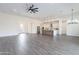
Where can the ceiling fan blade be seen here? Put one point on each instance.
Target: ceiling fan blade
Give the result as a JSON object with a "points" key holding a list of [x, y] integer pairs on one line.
{"points": [[34, 11], [35, 8], [31, 6], [28, 10]]}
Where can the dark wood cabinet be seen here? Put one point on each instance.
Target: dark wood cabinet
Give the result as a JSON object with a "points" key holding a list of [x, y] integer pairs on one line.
{"points": [[38, 29], [47, 32]]}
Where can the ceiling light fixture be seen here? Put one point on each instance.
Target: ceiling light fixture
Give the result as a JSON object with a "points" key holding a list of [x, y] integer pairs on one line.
{"points": [[32, 9], [73, 20]]}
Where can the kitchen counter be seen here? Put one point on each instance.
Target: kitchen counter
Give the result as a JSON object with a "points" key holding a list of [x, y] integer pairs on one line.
{"points": [[47, 32]]}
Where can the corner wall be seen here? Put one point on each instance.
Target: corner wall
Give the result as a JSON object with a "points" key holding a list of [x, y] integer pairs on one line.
{"points": [[11, 24]]}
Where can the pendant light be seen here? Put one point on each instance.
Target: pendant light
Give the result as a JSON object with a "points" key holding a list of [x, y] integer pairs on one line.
{"points": [[73, 20]]}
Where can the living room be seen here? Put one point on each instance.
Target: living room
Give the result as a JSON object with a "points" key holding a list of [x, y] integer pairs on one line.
{"points": [[39, 28]]}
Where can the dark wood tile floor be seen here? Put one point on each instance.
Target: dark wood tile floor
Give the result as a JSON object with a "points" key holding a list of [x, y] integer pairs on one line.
{"points": [[32, 44]]}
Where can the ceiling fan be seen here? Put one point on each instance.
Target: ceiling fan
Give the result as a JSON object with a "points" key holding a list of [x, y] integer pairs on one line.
{"points": [[32, 9]]}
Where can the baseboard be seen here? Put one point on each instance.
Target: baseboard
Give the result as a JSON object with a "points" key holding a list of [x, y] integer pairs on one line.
{"points": [[10, 34], [72, 35], [13, 34]]}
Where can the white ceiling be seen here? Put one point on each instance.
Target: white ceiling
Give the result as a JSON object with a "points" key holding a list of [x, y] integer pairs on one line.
{"points": [[46, 10]]}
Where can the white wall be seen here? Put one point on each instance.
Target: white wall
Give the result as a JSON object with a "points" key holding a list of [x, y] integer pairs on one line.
{"points": [[13, 24], [73, 29], [55, 24], [64, 27]]}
